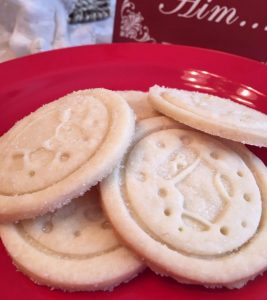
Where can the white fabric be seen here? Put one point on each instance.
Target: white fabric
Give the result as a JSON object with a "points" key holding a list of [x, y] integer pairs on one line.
{"points": [[31, 26]]}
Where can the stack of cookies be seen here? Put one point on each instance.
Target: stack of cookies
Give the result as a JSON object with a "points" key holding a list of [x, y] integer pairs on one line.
{"points": [[178, 192]]}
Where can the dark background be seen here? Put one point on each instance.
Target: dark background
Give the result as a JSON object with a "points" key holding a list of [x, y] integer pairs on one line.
{"points": [[241, 40]]}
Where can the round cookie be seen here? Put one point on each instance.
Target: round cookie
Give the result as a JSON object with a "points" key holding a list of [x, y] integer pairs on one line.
{"points": [[58, 152], [138, 101], [211, 114], [72, 249], [192, 206]]}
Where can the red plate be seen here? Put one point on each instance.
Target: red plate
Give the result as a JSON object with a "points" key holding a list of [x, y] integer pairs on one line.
{"points": [[29, 82]]}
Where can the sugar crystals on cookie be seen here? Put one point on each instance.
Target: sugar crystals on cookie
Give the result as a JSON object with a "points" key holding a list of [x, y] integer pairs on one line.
{"points": [[211, 114], [61, 150], [74, 248], [190, 205]]}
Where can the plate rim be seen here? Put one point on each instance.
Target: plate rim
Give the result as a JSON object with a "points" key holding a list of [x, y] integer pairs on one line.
{"points": [[69, 51]]}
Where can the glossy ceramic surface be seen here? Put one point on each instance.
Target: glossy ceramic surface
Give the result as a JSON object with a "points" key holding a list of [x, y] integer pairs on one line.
{"points": [[27, 83]]}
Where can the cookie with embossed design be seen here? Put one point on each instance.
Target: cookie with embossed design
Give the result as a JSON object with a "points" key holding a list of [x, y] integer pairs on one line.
{"points": [[194, 207], [72, 249], [138, 101], [211, 114], [61, 150]]}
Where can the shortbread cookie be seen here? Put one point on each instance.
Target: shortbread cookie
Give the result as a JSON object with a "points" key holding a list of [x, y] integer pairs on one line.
{"points": [[212, 114], [139, 103], [59, 151], [73, 248], [191, 205]]}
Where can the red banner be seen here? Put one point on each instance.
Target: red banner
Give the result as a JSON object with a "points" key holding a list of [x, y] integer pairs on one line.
{"points": [[235, 26]]}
